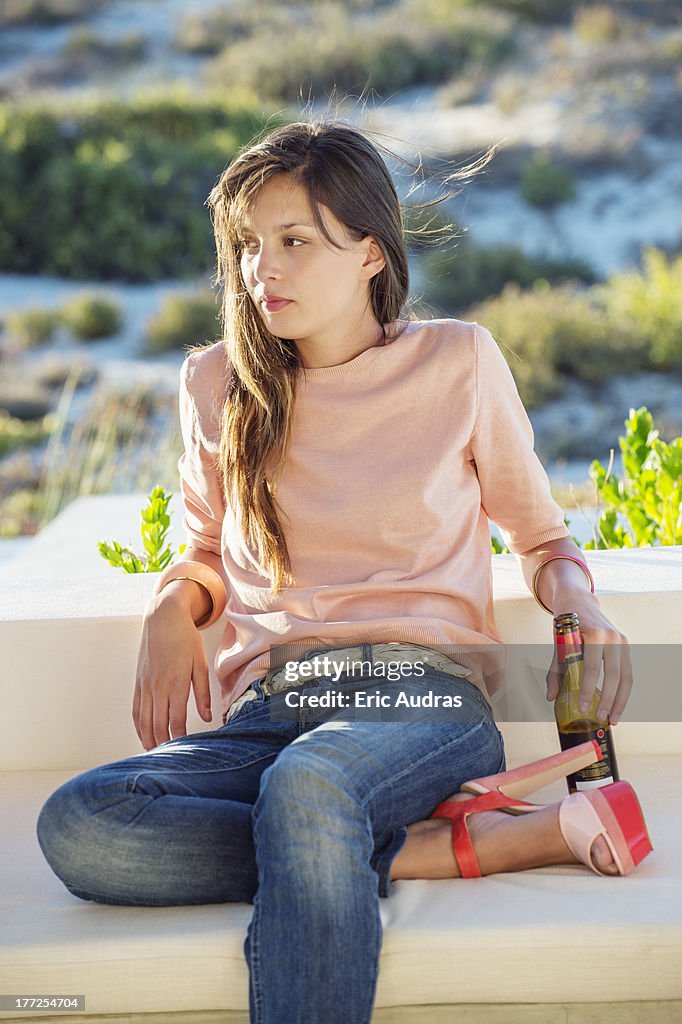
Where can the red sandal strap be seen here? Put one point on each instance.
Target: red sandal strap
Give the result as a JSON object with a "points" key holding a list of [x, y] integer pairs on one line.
{"points": [[458, 812], [463, 849]]}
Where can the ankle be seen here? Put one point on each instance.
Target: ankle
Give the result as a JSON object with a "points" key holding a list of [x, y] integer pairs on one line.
{"points": [[426, 853]]}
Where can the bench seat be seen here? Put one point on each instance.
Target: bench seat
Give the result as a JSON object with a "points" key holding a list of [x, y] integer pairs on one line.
{"points": [[551, 946]]}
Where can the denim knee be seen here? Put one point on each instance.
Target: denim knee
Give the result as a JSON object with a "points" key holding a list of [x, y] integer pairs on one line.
{"points": [[61, 830], [307, 815], [76, 838]]}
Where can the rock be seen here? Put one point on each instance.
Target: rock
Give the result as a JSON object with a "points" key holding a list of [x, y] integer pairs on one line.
{"points": [[54, 370], [25, 401]]}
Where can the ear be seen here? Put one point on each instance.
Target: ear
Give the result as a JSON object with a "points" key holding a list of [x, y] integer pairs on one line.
{"points": [[374, 261]]}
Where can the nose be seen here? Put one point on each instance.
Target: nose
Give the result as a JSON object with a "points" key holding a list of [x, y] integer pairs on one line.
{"points": [[265, 263]]}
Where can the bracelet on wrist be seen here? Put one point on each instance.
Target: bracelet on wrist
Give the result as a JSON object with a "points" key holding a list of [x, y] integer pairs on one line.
{"points": [[553, 558], [207, 578], [204, 618]]}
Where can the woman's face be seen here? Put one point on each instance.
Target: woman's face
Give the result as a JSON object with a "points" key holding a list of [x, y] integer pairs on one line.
{"points": [[326, 290]]}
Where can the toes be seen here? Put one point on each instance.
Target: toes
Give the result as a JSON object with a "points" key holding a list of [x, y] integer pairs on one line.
{"points": [[602, 856]]}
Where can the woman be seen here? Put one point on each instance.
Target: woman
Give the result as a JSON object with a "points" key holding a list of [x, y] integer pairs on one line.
{"points": [[339, 470]]}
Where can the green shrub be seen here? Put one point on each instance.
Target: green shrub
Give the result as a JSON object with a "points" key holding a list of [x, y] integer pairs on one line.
{"points": [[553, 332], [208, 32], [646, 305], [83, 42], [408, 44], [115, 189], [21, 513], [183, 320], [544, 183], [453, 281], [648, 498], [630, 323], [598, 24], [549, 12], [16, 433], [31, 328], [671, 46], [510, 91], [120, 443], [46, 12], [85, 45], [92, 316]]}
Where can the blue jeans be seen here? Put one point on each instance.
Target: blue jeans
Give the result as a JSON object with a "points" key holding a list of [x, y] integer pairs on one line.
{"points": [[300, 818]]}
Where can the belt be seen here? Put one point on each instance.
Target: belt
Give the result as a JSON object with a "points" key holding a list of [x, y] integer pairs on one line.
{"points": [[308, 669]]}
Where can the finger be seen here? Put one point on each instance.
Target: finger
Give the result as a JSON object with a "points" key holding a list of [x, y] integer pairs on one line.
{"points": [[202, 688], [178, 719], [161, 721], [146, 731], [612, 667], [593, 654], [136, 711], [625, 688], [553, 678]]}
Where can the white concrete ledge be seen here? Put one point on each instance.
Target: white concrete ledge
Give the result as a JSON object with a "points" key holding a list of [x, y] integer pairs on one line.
{"points": [[70, 651]]}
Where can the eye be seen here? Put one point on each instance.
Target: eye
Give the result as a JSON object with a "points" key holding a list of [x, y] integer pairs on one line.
{"points": [[298, 241]]}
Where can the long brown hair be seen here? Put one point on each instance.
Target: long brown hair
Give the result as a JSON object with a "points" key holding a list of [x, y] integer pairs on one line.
{"points": [[341, 169]]}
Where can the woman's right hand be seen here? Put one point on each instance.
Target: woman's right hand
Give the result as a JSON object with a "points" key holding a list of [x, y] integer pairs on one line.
{"points": [[170, 658]]}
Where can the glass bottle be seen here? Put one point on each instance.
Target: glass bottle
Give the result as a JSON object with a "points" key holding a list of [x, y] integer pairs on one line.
{"points": [[574, 726]]}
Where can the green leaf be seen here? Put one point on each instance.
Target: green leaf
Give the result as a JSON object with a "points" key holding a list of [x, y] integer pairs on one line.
{"points": [[154, 525], [648, 497]]}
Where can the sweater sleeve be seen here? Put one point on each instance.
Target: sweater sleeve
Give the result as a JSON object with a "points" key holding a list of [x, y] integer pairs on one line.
{"points": [[200, 483], [515, 491]]}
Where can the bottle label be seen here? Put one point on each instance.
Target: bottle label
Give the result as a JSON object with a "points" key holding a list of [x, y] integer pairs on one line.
{"points": [[601, 773], [593, 784], [568, 646]]}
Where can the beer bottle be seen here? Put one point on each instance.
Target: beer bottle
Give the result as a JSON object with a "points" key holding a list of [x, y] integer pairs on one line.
{"points": [[574, 726]]}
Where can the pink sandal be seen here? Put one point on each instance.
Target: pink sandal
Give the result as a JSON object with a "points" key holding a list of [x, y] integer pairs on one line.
{"points": [[612, 811]]}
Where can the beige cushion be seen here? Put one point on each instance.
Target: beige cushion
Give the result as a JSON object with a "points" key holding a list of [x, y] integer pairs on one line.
{"points": [[522, 937]]}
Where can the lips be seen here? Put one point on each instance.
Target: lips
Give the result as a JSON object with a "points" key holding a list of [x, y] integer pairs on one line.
{"points": [[273, 303]]}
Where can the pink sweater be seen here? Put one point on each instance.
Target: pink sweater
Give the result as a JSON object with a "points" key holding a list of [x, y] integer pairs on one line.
{"points": [[398, 459]]}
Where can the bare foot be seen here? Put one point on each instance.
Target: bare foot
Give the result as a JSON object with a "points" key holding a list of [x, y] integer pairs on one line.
{"points": [[502, 842]]}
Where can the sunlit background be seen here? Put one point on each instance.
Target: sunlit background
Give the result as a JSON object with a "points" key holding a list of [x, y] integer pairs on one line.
{"points": [[117, 116]]}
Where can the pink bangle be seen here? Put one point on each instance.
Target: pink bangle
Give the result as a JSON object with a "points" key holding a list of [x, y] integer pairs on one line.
{"points": [[206, 577], [570, 558]]}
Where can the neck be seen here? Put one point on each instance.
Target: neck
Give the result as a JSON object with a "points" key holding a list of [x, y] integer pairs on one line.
{"points": [[320, 354]]}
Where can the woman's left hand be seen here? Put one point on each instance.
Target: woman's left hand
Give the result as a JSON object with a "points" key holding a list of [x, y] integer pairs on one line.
{"points": [[603, 643]]}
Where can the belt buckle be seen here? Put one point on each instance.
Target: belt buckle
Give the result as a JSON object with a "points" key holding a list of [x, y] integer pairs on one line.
{"points": [[276, 682], [275, 677]]}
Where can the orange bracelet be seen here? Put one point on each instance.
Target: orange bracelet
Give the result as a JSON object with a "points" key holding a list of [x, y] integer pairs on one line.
{"points": [[206, 577], [570, 558]]}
